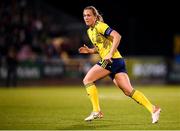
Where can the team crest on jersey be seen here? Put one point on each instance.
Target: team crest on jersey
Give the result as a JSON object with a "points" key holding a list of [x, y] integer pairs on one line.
{"points": [[99, 38]]}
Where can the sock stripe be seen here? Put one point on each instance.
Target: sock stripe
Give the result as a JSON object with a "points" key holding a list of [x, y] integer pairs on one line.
{"points": [[132, 93], [89, 84]]}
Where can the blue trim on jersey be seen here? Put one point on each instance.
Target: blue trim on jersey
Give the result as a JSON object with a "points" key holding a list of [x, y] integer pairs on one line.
{"points": [[108, 31]]}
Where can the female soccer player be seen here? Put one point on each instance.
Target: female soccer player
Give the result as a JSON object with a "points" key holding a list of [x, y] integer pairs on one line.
{"points": [[105, 41]]}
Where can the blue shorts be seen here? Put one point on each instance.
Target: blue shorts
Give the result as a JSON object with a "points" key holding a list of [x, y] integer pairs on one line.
{"points": [[118, 65]]}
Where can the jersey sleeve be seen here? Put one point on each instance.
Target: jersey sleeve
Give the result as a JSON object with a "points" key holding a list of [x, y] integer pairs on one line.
{"points": [[104, 29]]}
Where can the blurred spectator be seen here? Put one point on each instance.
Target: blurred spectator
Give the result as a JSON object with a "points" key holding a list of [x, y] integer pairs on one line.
{"points": [[177, 48], [51, 52], [25, 53], [61, 48], [26, 26], [11, 64]]}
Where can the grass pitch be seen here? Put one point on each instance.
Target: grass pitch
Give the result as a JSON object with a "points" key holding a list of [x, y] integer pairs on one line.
{"points": [[64, 108]]}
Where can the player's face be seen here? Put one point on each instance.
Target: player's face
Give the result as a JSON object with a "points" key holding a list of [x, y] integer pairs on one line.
{"points": [[89, 17]]}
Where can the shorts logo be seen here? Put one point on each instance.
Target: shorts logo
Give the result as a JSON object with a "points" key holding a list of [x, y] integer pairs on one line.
{"points": [[103, 63]]}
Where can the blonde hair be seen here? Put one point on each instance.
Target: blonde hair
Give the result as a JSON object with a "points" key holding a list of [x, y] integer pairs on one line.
{"points": [[95, 12]]}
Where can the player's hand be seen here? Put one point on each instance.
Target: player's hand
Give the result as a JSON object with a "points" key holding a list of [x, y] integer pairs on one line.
{"points": [[108, 58], [84, 49]]}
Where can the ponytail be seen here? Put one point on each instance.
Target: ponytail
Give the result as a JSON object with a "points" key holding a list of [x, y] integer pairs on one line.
{"points": [[100, 18]]}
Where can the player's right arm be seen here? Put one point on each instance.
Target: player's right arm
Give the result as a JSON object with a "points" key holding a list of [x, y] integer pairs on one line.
{"points": [[86, 50]]}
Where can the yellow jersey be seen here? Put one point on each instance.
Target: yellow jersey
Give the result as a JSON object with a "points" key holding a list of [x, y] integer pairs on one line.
{"points": [[100, 37]]}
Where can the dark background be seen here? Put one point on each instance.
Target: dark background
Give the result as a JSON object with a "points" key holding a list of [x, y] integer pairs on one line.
{"points": [[41, 31], [147, 28]]}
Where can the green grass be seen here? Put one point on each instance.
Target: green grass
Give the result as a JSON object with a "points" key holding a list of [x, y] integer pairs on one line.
{"points": [[64, 108]]}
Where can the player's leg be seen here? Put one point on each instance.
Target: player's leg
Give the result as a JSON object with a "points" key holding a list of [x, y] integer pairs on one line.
{"points": [[95, 73], [123, 82]]}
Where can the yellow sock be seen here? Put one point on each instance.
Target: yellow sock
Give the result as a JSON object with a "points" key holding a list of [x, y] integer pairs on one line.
{"points": [[93, 95], [141, 99]]}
